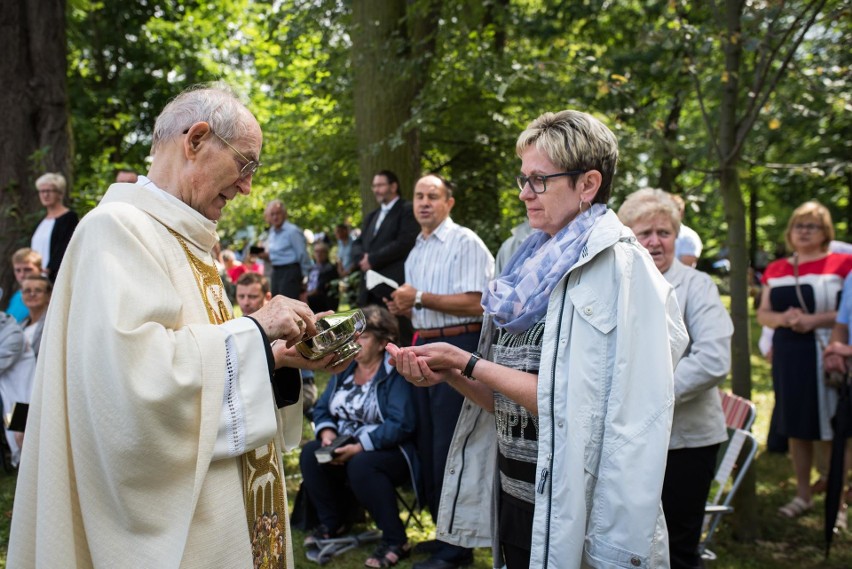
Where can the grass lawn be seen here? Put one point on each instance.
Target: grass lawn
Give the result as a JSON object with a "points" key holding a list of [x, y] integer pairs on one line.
{"points": [[793, 544]]}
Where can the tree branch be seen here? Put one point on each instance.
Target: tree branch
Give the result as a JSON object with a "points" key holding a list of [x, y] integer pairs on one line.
{"points": [[760, 98], [690, 68]]}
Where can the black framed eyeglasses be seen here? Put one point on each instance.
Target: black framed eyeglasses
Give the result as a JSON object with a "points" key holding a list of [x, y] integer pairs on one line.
{"points": [[538, 182]]}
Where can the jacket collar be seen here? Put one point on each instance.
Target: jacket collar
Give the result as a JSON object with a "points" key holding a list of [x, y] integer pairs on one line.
{"points": [[168, 210], [606, 232]]}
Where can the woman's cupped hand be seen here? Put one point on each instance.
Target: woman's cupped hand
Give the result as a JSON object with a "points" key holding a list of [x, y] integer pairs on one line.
{"points": [[428, 364]]}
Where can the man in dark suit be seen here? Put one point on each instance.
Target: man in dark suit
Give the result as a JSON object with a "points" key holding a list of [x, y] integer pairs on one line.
{"points": [[387, 235]]}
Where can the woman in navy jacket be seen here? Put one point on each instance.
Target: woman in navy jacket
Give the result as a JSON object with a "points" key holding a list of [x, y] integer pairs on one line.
{"points": [[373, 404]]}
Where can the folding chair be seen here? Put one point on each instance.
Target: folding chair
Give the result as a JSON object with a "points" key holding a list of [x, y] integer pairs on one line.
{"points": [[410, 508], [736, 460], [324, 550], [739, 411]]}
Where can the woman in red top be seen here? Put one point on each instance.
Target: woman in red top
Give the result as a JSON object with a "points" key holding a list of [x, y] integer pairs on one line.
{"points": [[799, 300], [233, 268]]}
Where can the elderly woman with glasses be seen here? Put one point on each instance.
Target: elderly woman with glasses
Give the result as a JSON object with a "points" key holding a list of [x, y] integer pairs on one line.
{"points": [[53, 233], [699, 422], [799, 300], [36, 291], [559, 454]]}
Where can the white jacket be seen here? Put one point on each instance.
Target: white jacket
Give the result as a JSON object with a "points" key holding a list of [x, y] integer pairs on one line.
{"points": [[613, 334], [17, 368]]}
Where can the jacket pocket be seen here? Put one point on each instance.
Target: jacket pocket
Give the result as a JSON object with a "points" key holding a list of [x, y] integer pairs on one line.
{"points": [[593, 307], [599, 553]]}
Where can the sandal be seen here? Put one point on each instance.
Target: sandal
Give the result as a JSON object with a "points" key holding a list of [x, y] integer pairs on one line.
{"points": [[388, 555], [795, 508]]}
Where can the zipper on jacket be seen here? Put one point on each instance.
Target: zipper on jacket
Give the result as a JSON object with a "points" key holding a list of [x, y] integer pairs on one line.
{"points": [[545, 473], [543, 481], [459, 477]]}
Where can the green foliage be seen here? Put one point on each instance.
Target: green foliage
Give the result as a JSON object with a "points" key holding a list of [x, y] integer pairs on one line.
{"points": [[494, 67]]}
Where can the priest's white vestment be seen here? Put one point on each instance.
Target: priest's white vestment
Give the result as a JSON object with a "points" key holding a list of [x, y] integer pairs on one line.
{"points": [[142, 409]]}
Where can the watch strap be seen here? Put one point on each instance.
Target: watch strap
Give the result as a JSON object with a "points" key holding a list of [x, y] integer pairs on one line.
{"points": [[471, 363]]}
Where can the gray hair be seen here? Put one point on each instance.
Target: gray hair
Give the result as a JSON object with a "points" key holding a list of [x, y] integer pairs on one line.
{"points": [[647, 203], [55, 179], [215, 103], [275, 204], [574, 141]]}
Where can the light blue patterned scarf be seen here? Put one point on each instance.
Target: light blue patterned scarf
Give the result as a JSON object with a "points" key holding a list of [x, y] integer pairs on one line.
{"points": [[518, 298]]}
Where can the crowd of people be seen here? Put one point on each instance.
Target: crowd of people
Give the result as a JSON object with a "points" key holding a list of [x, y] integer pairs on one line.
{"points": [[559, 406]]}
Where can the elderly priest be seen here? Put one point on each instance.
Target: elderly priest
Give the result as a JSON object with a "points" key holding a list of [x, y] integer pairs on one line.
{"points": [[157, 420]]}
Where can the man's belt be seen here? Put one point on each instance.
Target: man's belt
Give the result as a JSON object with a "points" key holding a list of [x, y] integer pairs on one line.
{"points": [[449, 331], [285, 265]]}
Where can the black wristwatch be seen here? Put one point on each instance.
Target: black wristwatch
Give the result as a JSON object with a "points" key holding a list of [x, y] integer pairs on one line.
{"points": [[418, 300], [468, 370]]}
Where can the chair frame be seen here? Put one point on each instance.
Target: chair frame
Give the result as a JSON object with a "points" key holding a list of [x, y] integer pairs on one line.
{"points": [[409, 507], [735, 462], [324, 550]]}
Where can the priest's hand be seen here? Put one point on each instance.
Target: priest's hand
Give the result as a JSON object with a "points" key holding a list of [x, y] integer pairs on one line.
{"points": [[286, 319], [288, 356]]}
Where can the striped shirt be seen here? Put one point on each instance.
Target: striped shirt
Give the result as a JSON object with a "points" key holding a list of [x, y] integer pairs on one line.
{"points": [[517, 428], [452, 260]]}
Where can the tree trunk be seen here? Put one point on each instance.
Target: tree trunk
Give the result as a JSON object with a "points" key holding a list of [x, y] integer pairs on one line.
{"points": [[745, 519], [386, 83], [34, 129]]}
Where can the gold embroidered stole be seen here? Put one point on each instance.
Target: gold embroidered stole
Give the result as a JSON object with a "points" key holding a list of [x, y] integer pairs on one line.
{"points": [[262, 471]]}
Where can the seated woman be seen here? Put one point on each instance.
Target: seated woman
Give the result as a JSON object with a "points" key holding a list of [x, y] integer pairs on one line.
{"points": [[372, 403], [17, 366], [37, 291]]}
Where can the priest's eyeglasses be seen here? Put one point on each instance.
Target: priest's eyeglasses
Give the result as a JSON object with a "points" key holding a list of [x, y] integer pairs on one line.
{"points": [[250, 167], [538, 182]]}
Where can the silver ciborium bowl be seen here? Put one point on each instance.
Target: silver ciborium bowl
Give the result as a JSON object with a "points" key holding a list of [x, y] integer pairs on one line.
{"points": [[336, 333]]}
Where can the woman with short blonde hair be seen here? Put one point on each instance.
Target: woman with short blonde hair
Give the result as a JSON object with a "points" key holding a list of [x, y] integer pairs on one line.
{"points": [[558, 456], [53, 233]]}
